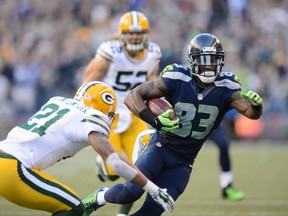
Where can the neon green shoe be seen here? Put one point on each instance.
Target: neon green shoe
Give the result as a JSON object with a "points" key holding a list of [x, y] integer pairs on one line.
{"points": [[90, 202], [231, 193]]}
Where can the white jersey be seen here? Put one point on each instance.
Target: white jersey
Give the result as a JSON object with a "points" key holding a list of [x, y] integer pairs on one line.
{"points": [[124, 74], [58, 131]]}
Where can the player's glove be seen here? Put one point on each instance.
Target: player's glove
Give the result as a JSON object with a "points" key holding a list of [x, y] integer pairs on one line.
{"points": [[252, 97], [164, 199], [162, 122]]}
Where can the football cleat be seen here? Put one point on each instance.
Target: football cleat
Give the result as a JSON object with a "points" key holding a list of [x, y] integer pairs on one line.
{"points": [[100, 169], [232, 194], [90, 202]]}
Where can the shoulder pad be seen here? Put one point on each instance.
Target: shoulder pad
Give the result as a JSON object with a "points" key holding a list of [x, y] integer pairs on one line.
{"points": [[153, 47], [98, 118], [176, 71], [108, 49], [228, 80]]}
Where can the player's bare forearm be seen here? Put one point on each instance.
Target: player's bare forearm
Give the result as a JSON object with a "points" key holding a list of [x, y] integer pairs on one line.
{"points": [[95, 70], [101, 144], [246, 108], [135, 100], [103, 147], [139, 179]]}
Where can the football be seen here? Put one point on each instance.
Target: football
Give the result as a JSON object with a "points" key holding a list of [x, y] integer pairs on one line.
{"points": [[159, 105]]}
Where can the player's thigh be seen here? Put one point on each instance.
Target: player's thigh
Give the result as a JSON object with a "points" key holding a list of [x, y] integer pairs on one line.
{"points": [[129, 137], [175, 180], [34, 189]]}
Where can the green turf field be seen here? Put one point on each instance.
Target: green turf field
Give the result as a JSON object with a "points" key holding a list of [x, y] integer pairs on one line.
{"points": [[260, 170]]}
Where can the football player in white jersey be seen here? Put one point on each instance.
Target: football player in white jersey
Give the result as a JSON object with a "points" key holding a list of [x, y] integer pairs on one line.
{"points": [[60, 129], [123, 63]]}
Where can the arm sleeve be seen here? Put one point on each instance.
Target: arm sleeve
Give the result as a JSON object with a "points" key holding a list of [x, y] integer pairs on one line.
{"points": [[120, 167]]}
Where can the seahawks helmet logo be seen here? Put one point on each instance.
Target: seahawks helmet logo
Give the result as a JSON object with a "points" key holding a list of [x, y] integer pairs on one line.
{"points": [[108, 98]]}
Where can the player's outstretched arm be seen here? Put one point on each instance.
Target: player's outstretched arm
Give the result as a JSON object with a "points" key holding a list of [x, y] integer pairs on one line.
{"points": [[248, 104], [129, 171]]}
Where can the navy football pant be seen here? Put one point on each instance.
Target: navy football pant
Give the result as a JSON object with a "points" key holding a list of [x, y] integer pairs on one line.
{"points": [[163, 169], [221, 139]]}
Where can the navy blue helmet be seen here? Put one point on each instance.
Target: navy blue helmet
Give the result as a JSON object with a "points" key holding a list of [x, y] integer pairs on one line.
{"points": [[206, 57]]}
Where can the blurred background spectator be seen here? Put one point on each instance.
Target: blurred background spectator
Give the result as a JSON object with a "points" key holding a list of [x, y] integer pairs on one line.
{"points": [[45, 45]]}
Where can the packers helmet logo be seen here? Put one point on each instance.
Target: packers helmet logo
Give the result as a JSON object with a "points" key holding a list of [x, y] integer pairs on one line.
{"points": [[108, 98]]}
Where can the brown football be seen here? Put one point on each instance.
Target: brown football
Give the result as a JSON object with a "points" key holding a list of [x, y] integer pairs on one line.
{"points": [[159, 105]]}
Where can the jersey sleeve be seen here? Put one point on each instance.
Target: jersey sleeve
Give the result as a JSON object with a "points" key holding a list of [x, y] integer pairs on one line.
{"points": [[95, 120], [231, 84], [156, 50], [174, 72], [106, 50]]}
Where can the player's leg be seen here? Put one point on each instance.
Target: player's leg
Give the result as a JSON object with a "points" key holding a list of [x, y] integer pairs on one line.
{"points": [[125, 209], [118, 194], [174, 179], [128, 193], [128, 139], [221, 138], [33, 189]]}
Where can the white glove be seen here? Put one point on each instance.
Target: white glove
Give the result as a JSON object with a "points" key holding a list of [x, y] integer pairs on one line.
{"points": [[124, 121], [164, 199]]}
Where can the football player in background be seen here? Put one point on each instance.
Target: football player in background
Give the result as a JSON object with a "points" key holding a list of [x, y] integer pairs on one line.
{"points": [[123, 63], [200, 95], [221, 138], [58, 131]]}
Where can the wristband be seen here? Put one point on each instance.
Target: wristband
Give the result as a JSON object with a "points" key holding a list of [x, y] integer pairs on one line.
{"points": [[150, 187], [148, 117]]}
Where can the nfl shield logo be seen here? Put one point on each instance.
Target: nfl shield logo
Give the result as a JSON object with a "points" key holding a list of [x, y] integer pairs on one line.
{"points": [[200, 97]]}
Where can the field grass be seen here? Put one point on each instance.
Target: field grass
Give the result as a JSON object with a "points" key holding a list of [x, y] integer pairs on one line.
{"points": [[260, 170]]}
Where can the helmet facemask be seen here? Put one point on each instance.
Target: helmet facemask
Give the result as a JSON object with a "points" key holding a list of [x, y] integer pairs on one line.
{"points": [[206, 66], [135, 43], [206, 57]]}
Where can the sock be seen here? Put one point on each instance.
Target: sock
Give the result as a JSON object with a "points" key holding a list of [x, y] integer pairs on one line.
{"points": [[100, 197], [225, 179]]}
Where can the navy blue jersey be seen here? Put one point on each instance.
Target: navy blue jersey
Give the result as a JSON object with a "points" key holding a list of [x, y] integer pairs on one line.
{"points": [[199, 110]]}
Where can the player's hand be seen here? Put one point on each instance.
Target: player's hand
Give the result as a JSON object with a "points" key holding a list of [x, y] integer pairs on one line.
{"points": [[164, 123], [252, 97], [164, 199]]}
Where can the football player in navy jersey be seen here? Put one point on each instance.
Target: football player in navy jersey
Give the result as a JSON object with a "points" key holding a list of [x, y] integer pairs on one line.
{"points": [[201, 95], [220, 137]]}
